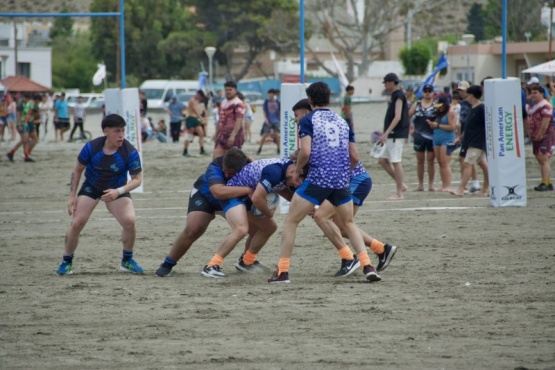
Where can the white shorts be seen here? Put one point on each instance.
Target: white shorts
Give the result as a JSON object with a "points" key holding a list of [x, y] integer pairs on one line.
{"points": [[394, 150]]}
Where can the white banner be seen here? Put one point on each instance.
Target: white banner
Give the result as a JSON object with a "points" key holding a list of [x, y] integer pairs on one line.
{"points": [[291, 93], [126, 103], [505, 142]]}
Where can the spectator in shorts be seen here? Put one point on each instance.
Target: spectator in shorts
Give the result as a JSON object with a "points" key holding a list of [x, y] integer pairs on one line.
{"points": [[78, 118], [229, 132], [465, 108], [347, 107], [175, 110], [194, 123], [474, 141], [270, 129], [541, 132], [444, 134], [396, 131], [61, 121]]}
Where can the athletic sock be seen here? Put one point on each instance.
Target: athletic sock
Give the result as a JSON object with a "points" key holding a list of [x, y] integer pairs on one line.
{"points": [[68, 258], [377, 246], [364, 259], [283, 265], [475, 183], [127, 255], [216, 260], [170, 261], [249, 258], [345, 253], [185, 152]]}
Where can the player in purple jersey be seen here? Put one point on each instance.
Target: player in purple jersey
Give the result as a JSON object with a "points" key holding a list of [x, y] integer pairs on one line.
{"points": [[107, 161], [204, 203], [262, 176], [331, 224], [327, 145]]}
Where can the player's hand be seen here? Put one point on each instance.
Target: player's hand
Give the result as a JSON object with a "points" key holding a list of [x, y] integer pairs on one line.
{"points": [[110, 195], [383, 138], [297, 181], [71, 204]]}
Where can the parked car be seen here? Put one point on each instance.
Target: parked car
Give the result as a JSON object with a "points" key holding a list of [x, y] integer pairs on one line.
{"points": [[159, 92], [253, 97], [88, 99]]}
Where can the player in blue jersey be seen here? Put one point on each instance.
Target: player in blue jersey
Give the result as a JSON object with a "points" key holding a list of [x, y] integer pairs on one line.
{"points": [[262, 176], [204, 202], [106, 161], [327, 146], [331, 224]]}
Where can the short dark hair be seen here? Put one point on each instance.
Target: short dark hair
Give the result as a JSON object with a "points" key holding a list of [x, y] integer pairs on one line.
{"points": [[475, 90], [113, 120], [235, 159], [271, 91], [537, 88], [349, 88], [230, 84], [302, 104], [201, 93], [319, 94]]}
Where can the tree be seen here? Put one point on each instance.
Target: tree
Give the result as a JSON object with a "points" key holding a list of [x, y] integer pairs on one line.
{"points": [[522, 16], [73, 65], [253, 26], [62, 27], [475, 20], [416, 59], [359, 27], [148, 23]]}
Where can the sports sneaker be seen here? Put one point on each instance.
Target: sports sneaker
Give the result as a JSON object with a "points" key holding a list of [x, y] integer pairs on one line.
{"points": [[386, 256], [348, 266], [185, 154], [164, 270], [550, 187], [282, 278], [131, 266], [213, 272], [258, 151], [65, 268], [473, 189], [10, 156], [371, 274], [254, 268], [29, 159], [542, 187]]}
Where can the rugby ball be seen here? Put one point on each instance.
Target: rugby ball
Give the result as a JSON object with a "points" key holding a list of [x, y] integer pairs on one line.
{"points": [[272, 200], [377, 150]]}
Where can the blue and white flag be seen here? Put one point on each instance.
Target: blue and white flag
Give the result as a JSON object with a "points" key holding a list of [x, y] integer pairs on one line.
{"points": [[202, 80], [441, 64]]}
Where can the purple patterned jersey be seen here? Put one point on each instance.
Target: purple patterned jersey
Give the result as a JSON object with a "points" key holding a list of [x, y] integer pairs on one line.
{"points": [[269, 172], [358, 170], [330, 165]]}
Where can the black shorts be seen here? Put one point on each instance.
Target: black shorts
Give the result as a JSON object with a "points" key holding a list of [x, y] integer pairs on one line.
{"points": [[94, 193], [316, 194], [61, 123], [273, 127], [198, 203], [422, 144]]}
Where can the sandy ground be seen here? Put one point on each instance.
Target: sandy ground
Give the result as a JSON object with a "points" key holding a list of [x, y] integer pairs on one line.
{"points": [[471, 286]]}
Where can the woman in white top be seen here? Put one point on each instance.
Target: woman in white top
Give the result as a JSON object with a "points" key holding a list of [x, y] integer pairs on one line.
{"points": [[44, 107]]}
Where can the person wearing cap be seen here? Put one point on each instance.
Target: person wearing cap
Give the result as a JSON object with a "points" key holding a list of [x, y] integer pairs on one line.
{"points": [[396, 130], [175, 110], [474, 141], [423, 134], [444, 134], [463, 113], [533, 82], [541, 132]]}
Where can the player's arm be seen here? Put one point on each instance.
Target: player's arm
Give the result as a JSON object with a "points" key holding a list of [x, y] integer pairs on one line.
{"points": [[74, 180], [224, 192], [452, 121], [396, 119], [412, 110], [353, 154], [259, 201]]}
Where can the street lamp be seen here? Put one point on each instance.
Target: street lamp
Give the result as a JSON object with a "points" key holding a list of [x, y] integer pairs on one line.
{"points": [[210, 51], [468, 38]]}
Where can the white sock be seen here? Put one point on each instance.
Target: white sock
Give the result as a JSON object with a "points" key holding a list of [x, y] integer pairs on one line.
{"points": [[475, 183]]}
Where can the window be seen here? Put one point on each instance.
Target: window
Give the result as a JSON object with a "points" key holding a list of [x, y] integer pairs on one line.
{"points": [[24, 69]]}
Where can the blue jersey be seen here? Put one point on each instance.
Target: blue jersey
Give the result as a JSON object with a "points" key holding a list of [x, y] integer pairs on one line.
{"points": [[214, 175], [270, 173], [330, 165], [108, 171], [272, 110]]}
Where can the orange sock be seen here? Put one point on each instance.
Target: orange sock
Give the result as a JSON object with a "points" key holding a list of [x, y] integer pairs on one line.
{"points": [[345, 253], [283, 265], [249, 258], [216, 260], [377, 246], [364, 259]]}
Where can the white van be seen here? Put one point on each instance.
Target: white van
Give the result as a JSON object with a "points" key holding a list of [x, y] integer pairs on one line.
{"points": [[88, 99], [159, 92]]}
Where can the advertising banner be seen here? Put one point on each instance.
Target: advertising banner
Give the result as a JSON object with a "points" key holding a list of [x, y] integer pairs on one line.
{"points": [[505, 142]]}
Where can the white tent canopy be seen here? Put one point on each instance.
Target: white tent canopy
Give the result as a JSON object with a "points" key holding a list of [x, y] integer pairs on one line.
{"points": [[547, 69]]}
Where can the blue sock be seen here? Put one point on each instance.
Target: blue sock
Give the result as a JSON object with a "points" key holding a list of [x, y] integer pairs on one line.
{"points": [[127, 255], [169, 261], [68, 258]]}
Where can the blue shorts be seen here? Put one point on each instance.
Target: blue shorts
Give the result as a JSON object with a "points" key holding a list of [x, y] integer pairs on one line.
{"points": [[3, 121], [360, 188], [422, 144], [443, 138], [12, 117], [230, 203], [316, 195]]}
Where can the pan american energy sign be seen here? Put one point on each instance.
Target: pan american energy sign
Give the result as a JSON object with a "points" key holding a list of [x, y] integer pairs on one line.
{"points": [[505, 142]]}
